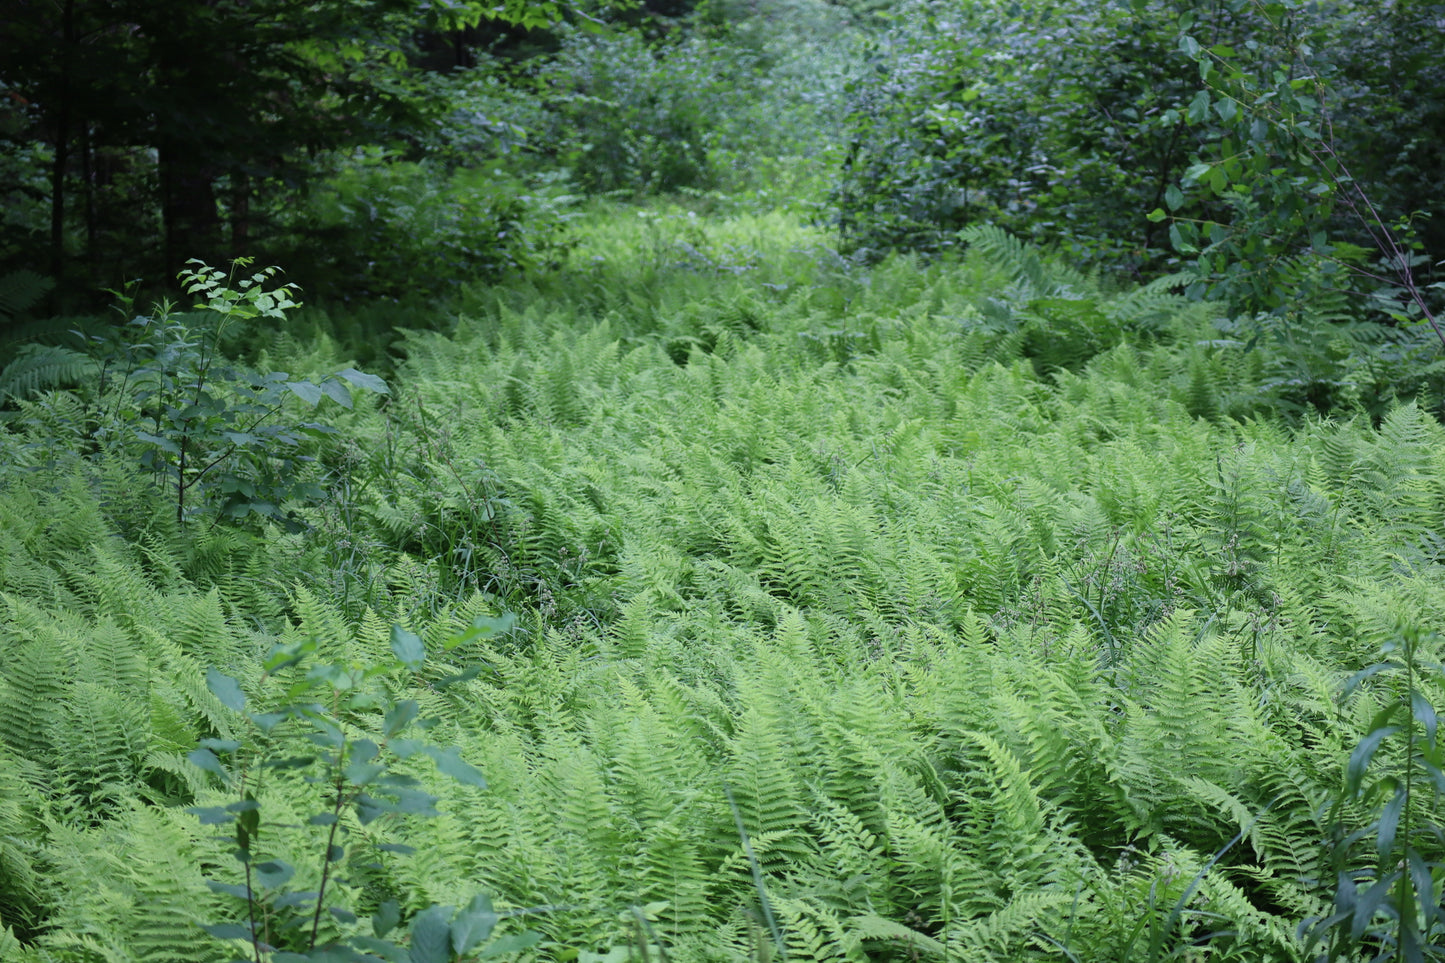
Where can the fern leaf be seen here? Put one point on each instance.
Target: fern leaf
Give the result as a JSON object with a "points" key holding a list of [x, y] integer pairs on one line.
{"points": [[20, 291], [41, 367]]}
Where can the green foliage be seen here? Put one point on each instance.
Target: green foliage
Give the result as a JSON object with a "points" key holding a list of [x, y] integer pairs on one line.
{"points": [[747, 106], [216, 433], [382, 227], [1387, 902], [38, 366], [146, 171], [337, 728], [20, 291], [1291, 203], [1246, 129], [1047, 119], [1015, 614]]}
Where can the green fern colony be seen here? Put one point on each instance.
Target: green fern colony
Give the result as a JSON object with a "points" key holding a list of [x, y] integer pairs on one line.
{"points": [[1010, 618]]}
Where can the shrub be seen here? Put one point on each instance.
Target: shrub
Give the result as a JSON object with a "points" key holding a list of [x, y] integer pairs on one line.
{"points": [[712, 110], [217, 434], [385, 227], [1069, 123]]}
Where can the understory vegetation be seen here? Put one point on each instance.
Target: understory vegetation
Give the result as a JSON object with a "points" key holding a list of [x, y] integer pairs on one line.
{"points": [[1006, 616], [769, 480]]}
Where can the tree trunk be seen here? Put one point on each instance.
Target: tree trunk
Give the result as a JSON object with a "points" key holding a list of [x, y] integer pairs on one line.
{"points": [[87, 187], [62, 143], [188, 208], [240, 212]]}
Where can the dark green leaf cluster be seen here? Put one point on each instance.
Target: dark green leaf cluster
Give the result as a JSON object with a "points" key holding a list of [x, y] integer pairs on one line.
{"points": [[216, 434], [321, 725], [1243, 136], [700, 112]]}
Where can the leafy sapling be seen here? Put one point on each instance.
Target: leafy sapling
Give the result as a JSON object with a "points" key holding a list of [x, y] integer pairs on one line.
{"points": [[218, 433], [332, 737], [1388, 900]]}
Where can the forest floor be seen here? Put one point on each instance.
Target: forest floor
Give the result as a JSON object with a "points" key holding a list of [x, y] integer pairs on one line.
{"points": [[789, 607]]}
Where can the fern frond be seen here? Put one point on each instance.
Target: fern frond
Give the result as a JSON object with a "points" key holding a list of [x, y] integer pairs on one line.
{"points": [[816, 932], [103, 735], [22, 290], [41, 367], [33, 686]]}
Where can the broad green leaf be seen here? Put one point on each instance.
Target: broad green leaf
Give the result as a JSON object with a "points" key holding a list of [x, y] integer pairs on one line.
{"points": [[228, 931], [1177, 238], [408, 647], [381, 949], [431, 936], [227, 689], [289, 900], [1353, 682], [1199, 108], [337, 392], [1389, 822], [1368, 903], [207, 760], [367, 809], [247, 827], [1420, 875], [164, 444], [1157, 215], [266, 721], [498, 625], [413, 803], [210, 815], [450, 763], [229, 889], [1174, 197], [274, 873], [366, 382], [473, 925], [483, 627], [387, 915], [361, 774], [306, 391], [1360, 758], [405, 748], [398, 716], [1424, 714]]}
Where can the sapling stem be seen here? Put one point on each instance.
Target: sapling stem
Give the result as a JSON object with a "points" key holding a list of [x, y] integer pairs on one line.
{"points": [[338, 801]]}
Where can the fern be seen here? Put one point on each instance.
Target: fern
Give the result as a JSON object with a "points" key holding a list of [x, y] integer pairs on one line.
{"points": [[104, 734], [40, 367], [20, 291]]}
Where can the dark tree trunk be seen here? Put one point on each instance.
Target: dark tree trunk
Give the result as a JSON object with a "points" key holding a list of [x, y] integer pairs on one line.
{"points": [[240, 212], [87, 187], [62, 143], [188, 208]]}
